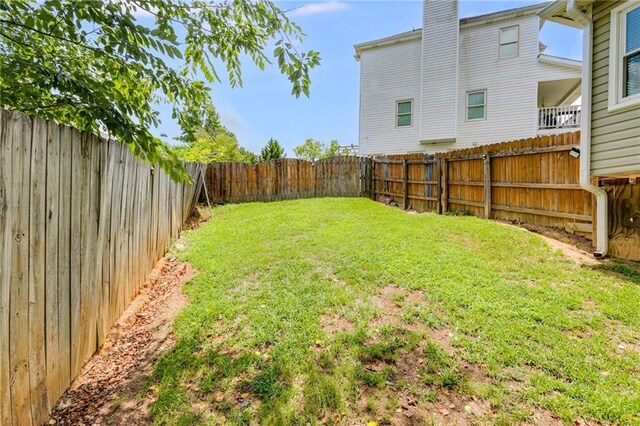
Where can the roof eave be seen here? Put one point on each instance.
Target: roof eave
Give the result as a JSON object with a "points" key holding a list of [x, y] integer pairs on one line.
{"points": [[559, 61], [469, 22], [387, 41], [556, 12], [503, 15]]}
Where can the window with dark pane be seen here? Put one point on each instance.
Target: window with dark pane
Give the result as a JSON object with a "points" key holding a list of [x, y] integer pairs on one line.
{"points": [[476, 104], [631, 58], [403, 113]]}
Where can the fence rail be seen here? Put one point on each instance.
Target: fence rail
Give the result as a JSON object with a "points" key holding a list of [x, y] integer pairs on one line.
{"points": [[287, 179], [81, 225]]}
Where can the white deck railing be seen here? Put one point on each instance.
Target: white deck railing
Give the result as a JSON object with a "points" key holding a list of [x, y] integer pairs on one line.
{"points": [[562, 117]]}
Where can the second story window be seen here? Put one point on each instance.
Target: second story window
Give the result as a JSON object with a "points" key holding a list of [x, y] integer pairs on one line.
{"points": [[509, 42], [404, 110]]}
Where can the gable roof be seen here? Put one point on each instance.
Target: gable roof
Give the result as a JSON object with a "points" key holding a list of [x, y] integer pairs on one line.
{"points": [[470, 22]]}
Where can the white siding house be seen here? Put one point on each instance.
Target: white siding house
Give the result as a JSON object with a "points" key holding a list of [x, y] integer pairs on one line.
{"points": [[466, 82]]}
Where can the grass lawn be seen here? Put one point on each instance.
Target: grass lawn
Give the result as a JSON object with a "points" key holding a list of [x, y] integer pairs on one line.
{"points": [[346, 311]]}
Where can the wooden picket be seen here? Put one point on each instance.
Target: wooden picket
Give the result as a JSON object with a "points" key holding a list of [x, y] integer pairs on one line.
{"points": [[82, 222]]}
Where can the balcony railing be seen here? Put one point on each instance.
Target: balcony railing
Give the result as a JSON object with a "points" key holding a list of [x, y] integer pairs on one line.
{"points": [[562, 117]]}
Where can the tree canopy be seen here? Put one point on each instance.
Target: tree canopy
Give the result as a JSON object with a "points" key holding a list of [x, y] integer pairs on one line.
{"points": [[92, 65], [212, 142], [272, 151], [215, 148], [313, 150]]}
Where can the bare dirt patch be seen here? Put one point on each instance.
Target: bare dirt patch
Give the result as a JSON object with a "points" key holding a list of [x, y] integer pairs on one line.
{"points": [[390, 303], [108, 390], [575, 247], [334, 324], [408, 400], [200, 215]]}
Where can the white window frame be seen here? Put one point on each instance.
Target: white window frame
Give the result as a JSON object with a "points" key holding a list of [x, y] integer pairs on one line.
{"points": [[484, 106], [617, 43], [517, 42], [397, 114]]}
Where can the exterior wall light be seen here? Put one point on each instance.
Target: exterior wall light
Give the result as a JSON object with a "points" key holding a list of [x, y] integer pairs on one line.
{"points": [[575, 152]]}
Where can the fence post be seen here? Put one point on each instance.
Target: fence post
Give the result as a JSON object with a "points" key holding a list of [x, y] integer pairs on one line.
{"points": [[437, 174], [315, 179], [487, 185], [385, 176], [444, 196], [372, 180], [405, 184]]}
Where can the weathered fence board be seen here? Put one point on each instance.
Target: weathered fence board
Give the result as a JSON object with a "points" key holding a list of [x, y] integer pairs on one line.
{"points": [[37, 197], [19, 270], [79, 231], [51, 261], [6, 135], [287, 179], [64, 258]]}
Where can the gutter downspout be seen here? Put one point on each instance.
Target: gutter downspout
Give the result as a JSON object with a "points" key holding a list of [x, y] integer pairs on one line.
{"points": [[602, 225]]}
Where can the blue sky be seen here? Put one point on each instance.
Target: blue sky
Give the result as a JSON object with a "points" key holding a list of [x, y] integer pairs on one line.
{"points": [[264, 108]]}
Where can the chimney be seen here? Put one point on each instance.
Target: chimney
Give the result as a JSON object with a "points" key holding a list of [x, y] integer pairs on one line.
{"points": [[439, 88]]}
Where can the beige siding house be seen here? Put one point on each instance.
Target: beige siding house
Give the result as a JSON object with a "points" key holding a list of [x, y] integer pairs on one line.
{"points": [[610, 139], [615, 132]]}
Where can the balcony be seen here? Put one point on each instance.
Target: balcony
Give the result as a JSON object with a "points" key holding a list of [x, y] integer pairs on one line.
{"points": [[559, 118]]}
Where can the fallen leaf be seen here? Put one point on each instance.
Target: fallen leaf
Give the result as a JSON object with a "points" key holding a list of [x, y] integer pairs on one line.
{"points": [[444, 411], [244, 394], [219, 397], [372, 424]]}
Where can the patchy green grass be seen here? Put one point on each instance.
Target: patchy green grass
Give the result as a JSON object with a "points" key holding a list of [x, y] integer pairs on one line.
{"points": [[344, 310]]}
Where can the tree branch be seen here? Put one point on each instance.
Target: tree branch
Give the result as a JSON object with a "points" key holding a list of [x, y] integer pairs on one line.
{"points": [[44, 33]]}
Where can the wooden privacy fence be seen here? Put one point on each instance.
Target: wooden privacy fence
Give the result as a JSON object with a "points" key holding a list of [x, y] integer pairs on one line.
{"points": [[81, 225], [532, 181], [289, 178]]}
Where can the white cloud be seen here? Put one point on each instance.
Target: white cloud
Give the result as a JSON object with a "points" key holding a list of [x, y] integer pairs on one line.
{"points": [[316, 8]]}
